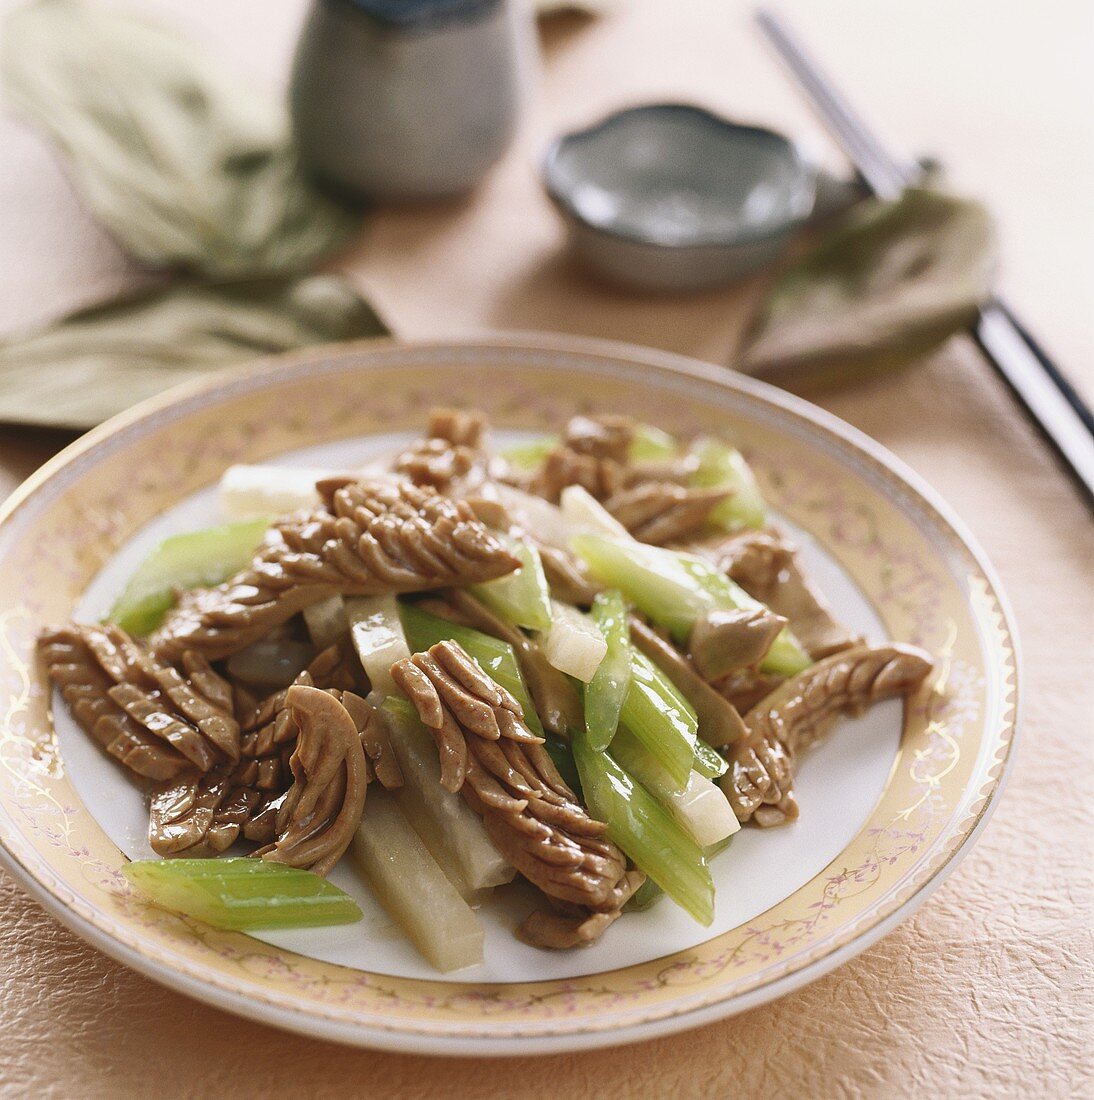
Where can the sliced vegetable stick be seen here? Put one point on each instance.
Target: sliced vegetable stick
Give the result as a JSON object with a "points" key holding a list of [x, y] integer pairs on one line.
{"points": [[700, 807], [652, 444], [666, 729], [722, 466], [377, 633], [573, 643], [241, 893], [191, 560], [327, 622], [674, 588], [607, 690], [537, 516], [248, 492], [450, 829], [584, 511], [521, 597], [645, 830], [413, 890]]}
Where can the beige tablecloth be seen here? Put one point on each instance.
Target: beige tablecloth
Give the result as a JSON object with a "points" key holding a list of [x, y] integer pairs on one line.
{"points": [[986, 991]]}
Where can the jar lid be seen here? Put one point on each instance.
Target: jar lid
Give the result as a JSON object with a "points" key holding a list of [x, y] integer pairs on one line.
{"points": [[405, 13]]}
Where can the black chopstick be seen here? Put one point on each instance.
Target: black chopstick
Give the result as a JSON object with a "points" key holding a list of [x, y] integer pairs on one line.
{"points": [[1051, 402]]}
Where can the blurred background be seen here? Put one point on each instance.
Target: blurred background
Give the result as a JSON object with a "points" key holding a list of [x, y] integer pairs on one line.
{"points": [[1000, 93]]}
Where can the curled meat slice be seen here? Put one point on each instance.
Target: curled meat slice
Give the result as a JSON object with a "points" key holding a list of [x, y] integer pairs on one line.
{"points": [[719, 722], [270, 734], [721, 642], [322, 809], [572, 926], [660, 512], [556, 701], [602, 436], [593, 453], [567, 576], [507, 777], [157, 719], [202, 814], [759, 780], [746, 687], [199, 815], [85, 686], [653, 500], [461, 427], [368, 538], [766, 566], [798, 711], [450, 452], [380, 759], [564, 467], [678, 470]]}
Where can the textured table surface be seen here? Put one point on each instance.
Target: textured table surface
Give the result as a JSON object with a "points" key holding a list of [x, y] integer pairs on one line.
{"points": [[986, 991]]}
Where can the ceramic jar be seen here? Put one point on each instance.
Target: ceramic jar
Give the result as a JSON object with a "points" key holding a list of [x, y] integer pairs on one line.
{"points": [[409, 98]]}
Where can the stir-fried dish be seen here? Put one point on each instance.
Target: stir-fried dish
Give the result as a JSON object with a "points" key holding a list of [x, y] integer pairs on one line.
{"points": [[587, 661]]}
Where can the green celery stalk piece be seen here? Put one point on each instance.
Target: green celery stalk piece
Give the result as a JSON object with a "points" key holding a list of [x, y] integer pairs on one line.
{"points": [[496, 657], [724, 467], [645, 830], [645, 896], [673, 589], [667, 731], [607, 690], [669, 691], [649, 893], [709, 762], [563, 758], [528, 455], [196, 559], [651, 444], [652, 579], [402, 710], [242, 894], [718, 847], [631, 755], [521, 597]]}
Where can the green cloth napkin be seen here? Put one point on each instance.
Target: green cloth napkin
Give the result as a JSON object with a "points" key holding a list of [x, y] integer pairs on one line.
{"points": [[888, 283], [194, 173], [100, 361], [185, 165]]}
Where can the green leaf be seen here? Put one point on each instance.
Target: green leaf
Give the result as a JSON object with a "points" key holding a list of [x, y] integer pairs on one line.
{"points": [[888, 284], [187, 166], [99, 361]]}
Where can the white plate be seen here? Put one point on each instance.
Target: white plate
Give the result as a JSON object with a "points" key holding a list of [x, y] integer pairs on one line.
{"points": [[886, 803]]}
